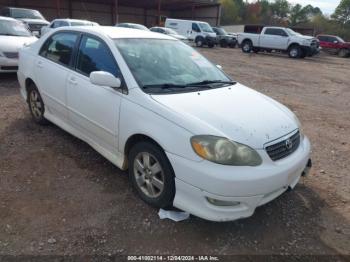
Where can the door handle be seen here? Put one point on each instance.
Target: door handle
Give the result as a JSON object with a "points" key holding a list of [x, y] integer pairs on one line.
{"points": [[39, 64], [73, 81]]}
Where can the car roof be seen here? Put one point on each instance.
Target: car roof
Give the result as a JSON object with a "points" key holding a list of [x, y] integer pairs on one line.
{"points": [[116, 32]]}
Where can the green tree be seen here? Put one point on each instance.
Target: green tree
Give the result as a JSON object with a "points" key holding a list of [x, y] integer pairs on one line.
{"points": [[280, 8], [230, 12], [342, 13]]}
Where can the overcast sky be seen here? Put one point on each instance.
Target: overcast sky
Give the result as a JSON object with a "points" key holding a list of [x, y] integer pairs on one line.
{"points": [[327, 6]]}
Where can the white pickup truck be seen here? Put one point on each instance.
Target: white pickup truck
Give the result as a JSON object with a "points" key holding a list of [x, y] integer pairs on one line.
{"points": [[279, 39]]}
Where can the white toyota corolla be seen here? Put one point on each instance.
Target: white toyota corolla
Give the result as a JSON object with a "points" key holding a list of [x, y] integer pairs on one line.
{"points": [[190, 136], [13, 36]]}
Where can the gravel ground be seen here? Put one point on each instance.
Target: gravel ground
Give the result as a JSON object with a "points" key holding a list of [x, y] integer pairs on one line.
{"points": [[60, 197]]}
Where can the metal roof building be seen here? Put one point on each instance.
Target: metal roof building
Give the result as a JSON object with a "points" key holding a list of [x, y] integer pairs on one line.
{"points": [[108, 12]]}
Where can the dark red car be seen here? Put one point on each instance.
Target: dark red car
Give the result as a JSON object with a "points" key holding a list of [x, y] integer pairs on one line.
{"points": [[335, 45]]}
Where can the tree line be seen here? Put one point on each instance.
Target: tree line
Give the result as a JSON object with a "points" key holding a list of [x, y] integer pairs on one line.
{"points": [[283, 13]]}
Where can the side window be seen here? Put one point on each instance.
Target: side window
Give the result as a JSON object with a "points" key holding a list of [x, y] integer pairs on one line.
{"points": [[54, 24], [322, 38], [59, 48], [195, 27], [270, 31], [63, 23], [94, 55], [281, 32]]}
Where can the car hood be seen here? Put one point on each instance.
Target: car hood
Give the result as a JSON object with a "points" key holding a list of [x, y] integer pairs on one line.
{"points": [[306, 37], [180, 37], [34, 21], [14, 43], [238, 113]]}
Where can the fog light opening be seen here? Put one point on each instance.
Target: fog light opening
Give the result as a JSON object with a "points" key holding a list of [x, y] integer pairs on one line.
{"points": [[222, 203]]}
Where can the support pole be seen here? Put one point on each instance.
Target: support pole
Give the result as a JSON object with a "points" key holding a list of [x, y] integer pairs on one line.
{"points": [[70, 8], [159, 10], [193, 12], [58, 8], [218, 15]]}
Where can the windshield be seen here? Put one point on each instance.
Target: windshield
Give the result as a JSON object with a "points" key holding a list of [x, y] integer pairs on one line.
{"points": [[291, 32], [170, 31], [221, 31], [81, 24], [13, 28], [205, 27], [26, 13], [340, 40], [166, 62], [136, 26]]}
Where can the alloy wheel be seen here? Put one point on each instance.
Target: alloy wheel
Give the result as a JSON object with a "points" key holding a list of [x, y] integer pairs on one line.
{"points": [[149, 174], [35, 104]]}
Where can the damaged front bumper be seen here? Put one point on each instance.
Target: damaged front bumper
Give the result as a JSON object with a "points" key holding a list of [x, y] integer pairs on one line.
{"points": [[225, 193]]}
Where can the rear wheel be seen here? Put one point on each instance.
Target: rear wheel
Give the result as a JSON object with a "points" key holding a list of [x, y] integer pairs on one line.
{"points": [[294, 51], [36, 105], [247, 46], [151, 174]]}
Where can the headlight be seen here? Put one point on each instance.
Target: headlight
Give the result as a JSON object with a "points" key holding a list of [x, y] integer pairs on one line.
{"points": [[225, 152], [299, 127], [306, 42]]}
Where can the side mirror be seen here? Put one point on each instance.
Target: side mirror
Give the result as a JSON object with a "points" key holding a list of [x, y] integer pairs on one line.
{"points": [[101, 78], [219, 66]]}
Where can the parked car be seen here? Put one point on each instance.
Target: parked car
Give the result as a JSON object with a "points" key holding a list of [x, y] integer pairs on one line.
{"points": [[279, 39], [133, 26], [66, 22], [335, 45], [13, 36], [161, 110], [224, 39], [168, 31], [199, 32], [32, 18]]}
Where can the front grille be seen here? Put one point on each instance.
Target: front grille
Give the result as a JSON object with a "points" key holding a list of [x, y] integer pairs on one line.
{"points": [[9, 68], [35, 27], [284, 148], [11, 55]]}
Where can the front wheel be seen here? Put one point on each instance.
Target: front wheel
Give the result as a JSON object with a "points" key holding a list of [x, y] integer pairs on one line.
{"points": [[344, 53], [152, 175], [294, 51], [199, 42]]}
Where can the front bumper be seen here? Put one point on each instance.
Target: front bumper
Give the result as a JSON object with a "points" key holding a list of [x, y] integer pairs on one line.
{"points": [[250, 187], [8, 65], [311, 50], [211, 40]]}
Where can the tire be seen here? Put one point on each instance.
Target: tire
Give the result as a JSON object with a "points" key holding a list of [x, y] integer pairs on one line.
{"points": [[223, 43], [156, 188], [247, 46], [343, 53], [36, 105], [199, 41], [294, 51]]}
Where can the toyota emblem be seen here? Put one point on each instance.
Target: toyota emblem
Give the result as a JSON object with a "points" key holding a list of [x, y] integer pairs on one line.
{"points": [[289, 144]]}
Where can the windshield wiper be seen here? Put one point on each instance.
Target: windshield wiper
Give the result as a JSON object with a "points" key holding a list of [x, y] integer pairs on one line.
{"points": [[209, 82], [164, 86]]}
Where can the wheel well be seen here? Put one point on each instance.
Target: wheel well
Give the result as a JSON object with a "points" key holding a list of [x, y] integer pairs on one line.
{"points": [[199, 37], [247, 40], [133, 140], [28, 83], [293, 44]]}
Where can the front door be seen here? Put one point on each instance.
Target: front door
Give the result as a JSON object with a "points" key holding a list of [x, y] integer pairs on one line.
{"points": [[94, 110]]}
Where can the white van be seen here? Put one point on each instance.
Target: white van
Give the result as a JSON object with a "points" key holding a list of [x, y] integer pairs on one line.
{"points": [[199, 32]]}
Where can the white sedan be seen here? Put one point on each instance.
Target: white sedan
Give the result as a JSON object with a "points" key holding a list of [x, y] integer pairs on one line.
{"points": [[13, 36], [190, 136], [66, 22]]}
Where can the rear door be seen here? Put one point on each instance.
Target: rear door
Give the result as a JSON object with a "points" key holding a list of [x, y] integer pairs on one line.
{"points": [[52, 67], [94, 110], [274, 38]]}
